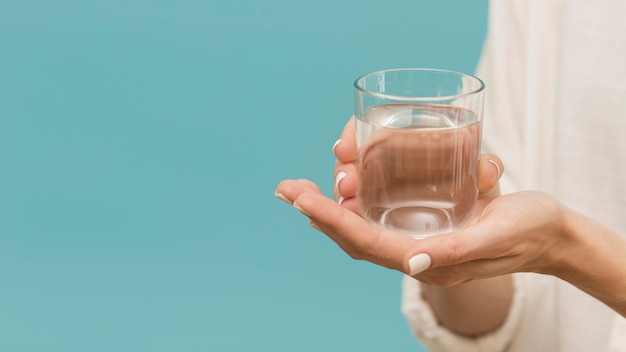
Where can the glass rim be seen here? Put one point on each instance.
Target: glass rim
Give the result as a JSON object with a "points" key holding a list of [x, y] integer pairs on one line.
{"points": [[481, 85]]}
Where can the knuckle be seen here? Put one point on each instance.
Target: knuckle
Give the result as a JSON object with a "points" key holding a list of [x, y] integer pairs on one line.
{"points": [[356, 255], [361, 254], [455, 253], [367, 250]]}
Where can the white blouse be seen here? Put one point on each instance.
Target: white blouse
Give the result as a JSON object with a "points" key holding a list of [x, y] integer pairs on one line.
{"points": [[555, 112]]}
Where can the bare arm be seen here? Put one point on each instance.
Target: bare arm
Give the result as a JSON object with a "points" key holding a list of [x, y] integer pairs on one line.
{"points": [[466, 271], [519, 232], [474, 308], [595, 262]]}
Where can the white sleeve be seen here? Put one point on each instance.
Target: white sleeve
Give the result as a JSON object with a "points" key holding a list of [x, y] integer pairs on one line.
{"points": [[425, 327]]}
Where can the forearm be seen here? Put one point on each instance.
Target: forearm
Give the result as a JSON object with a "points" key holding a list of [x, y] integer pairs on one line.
{"points": [[474, 308], [596, 263]]}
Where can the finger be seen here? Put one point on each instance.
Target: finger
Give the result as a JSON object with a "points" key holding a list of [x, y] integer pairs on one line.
{"points": [[289, 190], [353, 234], [345, 147], [477, 242], [346, 180], [490, 169], [351, 204]]}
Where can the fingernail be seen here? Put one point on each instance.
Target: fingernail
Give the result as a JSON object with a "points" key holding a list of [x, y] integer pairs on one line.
{"points": [[340, 200], [340, 176], [301, 210], [282, 197], [419, 263], [335, 145], [497, 168], [314, 225]]}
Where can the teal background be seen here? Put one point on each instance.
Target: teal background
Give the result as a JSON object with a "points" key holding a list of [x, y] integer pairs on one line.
{"points": [[140, 146]]}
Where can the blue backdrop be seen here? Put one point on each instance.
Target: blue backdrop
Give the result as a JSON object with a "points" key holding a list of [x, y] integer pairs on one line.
{"points": [[140, 146]]}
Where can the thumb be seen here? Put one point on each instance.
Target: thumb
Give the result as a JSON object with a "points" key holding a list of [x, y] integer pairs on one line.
{"points": [[490, 169], [449, 249]]}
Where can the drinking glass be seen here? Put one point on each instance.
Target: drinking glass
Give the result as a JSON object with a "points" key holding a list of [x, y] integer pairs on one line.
{"points": [[418, 134]]}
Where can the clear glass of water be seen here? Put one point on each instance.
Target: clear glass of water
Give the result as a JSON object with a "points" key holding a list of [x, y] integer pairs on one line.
{"points": [[418, 135]]}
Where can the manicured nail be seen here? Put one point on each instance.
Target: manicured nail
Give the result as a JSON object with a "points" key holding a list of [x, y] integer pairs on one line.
{"points": [[282, 197], [314, 225], [340, 200], [419, 263], [497, 168], [335, 145], [340, 176], [301, 210]]}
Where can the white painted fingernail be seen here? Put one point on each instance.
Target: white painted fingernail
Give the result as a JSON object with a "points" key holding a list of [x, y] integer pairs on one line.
{"points": [[340, 176], [419, 263], [335, 145], [314, 225], [340, 200], [301, 210], [497, 168], [282, 197]]}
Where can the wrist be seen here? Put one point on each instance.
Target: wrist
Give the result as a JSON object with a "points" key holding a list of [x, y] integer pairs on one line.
{"points": [[592, 259], [575, 247], [571, 244]]}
